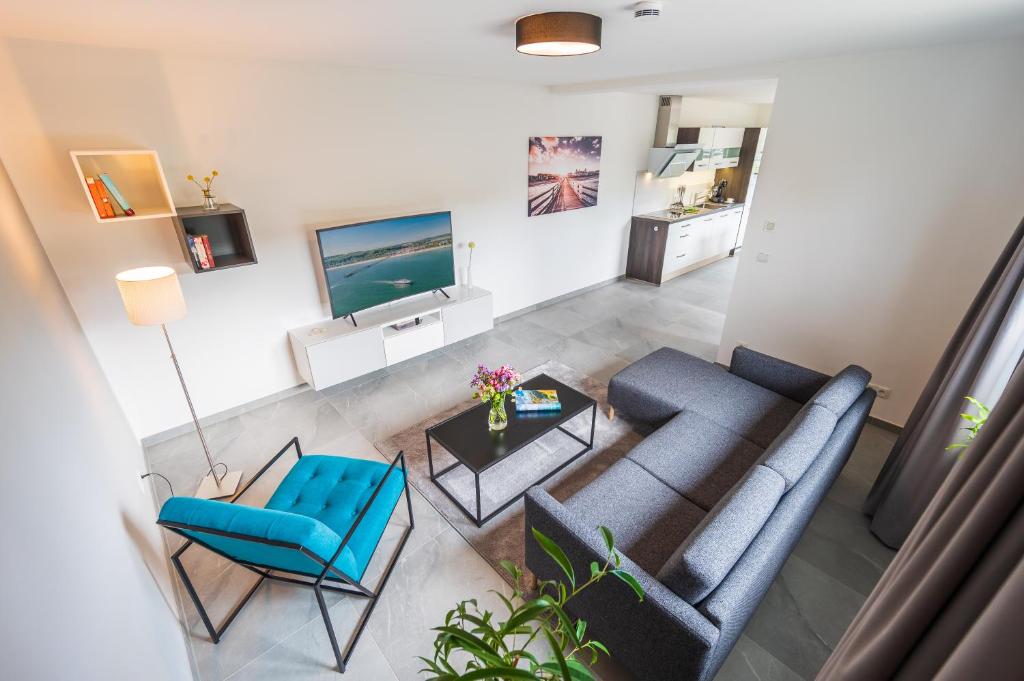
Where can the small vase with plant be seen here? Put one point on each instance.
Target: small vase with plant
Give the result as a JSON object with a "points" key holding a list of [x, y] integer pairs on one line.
{"points": [[209, 200], [487, 646], [492, 387]]}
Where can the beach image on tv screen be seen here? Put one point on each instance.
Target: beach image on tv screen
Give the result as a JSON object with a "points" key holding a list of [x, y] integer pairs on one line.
{"points": [[377, 262]]}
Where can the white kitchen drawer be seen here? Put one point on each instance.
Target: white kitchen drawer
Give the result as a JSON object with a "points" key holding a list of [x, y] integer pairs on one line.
{"points": [[681, 259]]}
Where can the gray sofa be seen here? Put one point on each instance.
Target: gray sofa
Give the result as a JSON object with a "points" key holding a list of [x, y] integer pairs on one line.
{"points": [[707, 508]]}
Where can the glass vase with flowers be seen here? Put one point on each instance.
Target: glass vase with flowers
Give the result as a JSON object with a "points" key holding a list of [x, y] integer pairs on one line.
{"points": [[492, 387]]}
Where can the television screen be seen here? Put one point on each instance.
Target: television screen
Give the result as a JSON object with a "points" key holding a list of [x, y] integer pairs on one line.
{"points": [[371, 263]]}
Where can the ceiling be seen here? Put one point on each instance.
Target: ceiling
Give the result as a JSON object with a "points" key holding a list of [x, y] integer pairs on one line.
{"points": [[476, 37]]}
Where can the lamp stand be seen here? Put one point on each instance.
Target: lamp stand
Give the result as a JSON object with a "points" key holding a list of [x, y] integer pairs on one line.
{"points": [[212, 486]]}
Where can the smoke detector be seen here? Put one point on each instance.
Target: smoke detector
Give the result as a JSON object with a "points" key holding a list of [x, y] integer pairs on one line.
{"points": [[647, 10]]}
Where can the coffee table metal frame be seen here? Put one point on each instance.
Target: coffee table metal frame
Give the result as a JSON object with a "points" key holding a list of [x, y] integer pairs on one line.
{"points": [[556, 425]]}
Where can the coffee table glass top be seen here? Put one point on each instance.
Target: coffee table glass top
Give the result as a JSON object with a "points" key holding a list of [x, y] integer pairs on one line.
{"points": [[468, 439]]}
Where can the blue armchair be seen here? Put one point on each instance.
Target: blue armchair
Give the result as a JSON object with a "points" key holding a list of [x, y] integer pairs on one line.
{"points": [[319, 529]]}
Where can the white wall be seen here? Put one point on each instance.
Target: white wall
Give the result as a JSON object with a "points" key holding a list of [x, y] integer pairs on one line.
{"points": [[86, 591], [298, 145], [894, 180]]}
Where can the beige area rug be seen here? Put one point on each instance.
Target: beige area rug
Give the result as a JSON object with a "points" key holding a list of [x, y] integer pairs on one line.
{"points": [[503, 537]]}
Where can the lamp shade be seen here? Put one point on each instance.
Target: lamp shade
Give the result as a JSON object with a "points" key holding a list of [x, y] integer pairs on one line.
{"points": [[558, 34], [151, 295]]}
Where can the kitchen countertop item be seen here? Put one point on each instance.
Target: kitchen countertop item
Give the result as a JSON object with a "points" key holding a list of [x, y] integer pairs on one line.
{"points": [[678, 216]]}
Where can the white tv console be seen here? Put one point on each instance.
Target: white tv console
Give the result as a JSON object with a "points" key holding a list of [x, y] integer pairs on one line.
{"points": [[330, 352]]}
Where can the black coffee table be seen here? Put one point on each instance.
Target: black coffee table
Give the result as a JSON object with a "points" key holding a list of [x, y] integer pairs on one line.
{"points": [[474, 446]]}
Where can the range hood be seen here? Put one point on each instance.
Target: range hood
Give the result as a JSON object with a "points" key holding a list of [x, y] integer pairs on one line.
{"points": [[674, 161], [666, 158]]}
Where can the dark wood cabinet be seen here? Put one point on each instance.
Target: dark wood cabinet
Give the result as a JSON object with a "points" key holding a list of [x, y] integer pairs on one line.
{"points": [[646, 256]]}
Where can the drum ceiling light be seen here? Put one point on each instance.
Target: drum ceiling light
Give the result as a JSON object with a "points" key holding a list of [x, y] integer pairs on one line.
{"points": [[558, 34]]}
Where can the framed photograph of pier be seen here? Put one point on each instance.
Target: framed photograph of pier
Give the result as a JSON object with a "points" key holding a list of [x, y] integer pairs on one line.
{"points": [[563, 174]]}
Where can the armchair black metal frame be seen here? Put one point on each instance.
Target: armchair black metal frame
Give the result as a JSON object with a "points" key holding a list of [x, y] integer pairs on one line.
{"points": [[330, 573]]}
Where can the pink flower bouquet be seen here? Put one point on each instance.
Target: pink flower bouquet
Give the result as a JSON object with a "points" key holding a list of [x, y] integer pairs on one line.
{"points": [[492, 387]]}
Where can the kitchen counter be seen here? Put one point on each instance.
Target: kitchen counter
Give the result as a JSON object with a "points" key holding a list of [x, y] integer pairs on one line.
{"points": [[667, 216]]}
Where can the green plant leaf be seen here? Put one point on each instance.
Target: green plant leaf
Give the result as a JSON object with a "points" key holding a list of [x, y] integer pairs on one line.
{"points": [[498, 672], [577, 671], [527, 612], [581, 629], [475, 645], [512, 569], [556, 553], [595, 569], [556, 650], [983, 411], [631, 581], [566, 626], [597, 645], [606, 534]]}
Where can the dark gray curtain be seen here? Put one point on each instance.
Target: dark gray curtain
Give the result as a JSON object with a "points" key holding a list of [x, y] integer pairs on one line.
{"points": [[918, 464], [951, 604]]}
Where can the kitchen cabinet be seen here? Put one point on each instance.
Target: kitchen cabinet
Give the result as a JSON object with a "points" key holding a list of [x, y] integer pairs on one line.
{"points": [[721, 146], [660, 249]]}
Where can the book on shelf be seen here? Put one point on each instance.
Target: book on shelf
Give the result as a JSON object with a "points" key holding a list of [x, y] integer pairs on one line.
{"points": [[537, 400], [116, 194], [199, 245], [108, 205], [208, 249], [103, 208]]}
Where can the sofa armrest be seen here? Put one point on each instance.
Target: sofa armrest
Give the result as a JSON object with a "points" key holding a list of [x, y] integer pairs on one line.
{"points": [[661, 637], [785, 378]]}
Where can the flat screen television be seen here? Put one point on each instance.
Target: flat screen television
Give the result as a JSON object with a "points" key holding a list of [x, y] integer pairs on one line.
{"points": [[372, 263]]}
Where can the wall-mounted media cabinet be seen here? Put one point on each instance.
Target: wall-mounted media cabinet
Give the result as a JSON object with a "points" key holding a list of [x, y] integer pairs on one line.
{"points": [[331, 352]]}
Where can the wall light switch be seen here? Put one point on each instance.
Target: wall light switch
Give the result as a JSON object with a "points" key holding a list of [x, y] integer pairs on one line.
{"points": [[762, 257], [769, 226]]}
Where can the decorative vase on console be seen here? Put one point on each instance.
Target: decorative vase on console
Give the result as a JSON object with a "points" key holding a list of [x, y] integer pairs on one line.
{"points": [[467, 272], [492, 387], [209, 200]]}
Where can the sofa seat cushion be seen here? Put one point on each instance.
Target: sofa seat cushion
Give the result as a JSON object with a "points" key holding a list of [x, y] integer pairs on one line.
{"points": [[334, 490], [662, 384], [656, 387], [696, 457], [704, 559], [647, 517]]}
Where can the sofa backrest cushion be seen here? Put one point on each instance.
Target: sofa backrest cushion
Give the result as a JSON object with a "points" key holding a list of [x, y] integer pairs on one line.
{"points": [[839, 394], [719, 540], [795, 449], [790, 380]]}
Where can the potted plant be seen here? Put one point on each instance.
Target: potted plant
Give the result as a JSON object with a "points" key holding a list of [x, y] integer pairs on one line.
{"points": [[477, 644]]}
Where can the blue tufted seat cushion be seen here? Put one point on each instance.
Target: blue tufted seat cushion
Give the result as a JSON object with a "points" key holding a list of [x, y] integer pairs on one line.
{"points": [[314, 507]]}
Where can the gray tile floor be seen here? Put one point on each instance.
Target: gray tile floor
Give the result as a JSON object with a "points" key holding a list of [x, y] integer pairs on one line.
{"points": [[280, 633]]}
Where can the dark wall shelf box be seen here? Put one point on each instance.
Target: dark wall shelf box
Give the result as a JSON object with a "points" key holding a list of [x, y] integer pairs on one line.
{"points": [[227, 230]]}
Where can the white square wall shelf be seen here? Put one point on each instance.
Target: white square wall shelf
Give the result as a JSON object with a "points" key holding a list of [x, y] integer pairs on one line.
{"points": [[137, 174]]}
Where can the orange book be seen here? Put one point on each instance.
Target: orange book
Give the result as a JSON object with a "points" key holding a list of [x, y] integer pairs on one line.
{"points": [[97, 198], [108, 209]]}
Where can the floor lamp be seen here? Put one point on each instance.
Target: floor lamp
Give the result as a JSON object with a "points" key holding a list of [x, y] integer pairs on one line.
{"points": [[151, 296]]}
